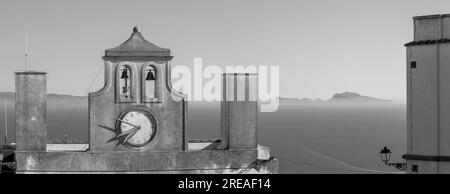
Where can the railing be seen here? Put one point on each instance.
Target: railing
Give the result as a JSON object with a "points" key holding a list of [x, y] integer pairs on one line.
{"points": [[10, 165]]}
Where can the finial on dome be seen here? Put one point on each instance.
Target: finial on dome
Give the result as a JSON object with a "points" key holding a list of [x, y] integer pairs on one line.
{"points": [[136, 29]]}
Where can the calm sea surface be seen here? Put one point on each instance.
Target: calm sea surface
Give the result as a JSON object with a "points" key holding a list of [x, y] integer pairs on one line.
{"points": [[305, 138]]}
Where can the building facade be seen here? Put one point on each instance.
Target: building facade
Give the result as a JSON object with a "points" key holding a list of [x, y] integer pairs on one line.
{"points": [[428, 96]]}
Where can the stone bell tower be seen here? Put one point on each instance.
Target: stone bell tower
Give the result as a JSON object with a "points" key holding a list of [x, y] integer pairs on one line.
{"points": [[137, 94], [137, 122]]}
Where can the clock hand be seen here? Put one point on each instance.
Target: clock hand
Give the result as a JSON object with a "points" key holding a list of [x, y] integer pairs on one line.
{"points": [[129, 136], [133, 130], [117, 137], [107, 128], [138, 127], [120, 138], [118, 143], [112, 139]]}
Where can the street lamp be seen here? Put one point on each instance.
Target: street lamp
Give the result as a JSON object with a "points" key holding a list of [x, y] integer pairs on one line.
{"points": [[385, 154]]}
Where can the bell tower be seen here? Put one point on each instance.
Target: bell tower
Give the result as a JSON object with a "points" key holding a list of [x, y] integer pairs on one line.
{"points": [[137, 110]]}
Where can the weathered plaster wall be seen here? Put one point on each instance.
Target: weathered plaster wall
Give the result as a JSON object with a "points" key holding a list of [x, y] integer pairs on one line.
{"points": [[122, 161], [31, 105], [239, 111], [428, 95], [424, 100], [169, 112]]}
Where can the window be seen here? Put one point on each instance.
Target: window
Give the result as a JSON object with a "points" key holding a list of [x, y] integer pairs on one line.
{"points": [[413, 65], [415, 168]]}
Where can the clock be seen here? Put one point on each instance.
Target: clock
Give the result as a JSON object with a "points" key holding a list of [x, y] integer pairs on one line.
{"points": [[135, 128]]}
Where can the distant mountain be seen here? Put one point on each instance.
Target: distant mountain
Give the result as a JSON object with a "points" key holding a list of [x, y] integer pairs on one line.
{"points": [[7, 95], [345, 97], [318, 100], [12, 95], [54, 101], [64, 96], [295, 100], [352, 97], [288, 99]]}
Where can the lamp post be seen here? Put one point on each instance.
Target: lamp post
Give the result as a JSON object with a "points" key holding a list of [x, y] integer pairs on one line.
{"points": [[385, 154]]}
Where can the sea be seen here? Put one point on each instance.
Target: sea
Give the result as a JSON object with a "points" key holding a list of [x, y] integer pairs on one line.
{"points": [[305, 138]]}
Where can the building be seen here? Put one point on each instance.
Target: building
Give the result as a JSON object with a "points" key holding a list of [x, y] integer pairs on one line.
{"points": [[428, 96], [137, 123]]}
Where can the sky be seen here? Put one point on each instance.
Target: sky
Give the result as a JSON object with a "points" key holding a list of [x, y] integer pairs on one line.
{"points": [[321, 46]]}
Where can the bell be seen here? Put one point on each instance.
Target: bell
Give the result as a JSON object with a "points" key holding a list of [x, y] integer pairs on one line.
{"points": [[124, 74], [150, 76]]}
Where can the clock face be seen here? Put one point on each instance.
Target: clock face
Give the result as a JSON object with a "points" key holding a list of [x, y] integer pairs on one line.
{"points": [[141, 125]]}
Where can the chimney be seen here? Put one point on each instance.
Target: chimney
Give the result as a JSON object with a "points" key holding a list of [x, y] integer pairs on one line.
{"points": [[31, 104], [239, 111]]}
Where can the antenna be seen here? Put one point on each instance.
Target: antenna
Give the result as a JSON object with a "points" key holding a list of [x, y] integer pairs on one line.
{"points": [[6, 126], [26, 50]]}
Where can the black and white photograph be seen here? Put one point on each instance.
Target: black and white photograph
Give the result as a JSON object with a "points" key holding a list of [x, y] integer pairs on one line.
{"points": [[251, 87]]}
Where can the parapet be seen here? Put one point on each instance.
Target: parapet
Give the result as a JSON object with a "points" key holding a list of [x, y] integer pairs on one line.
{"points": [[431, 28]]}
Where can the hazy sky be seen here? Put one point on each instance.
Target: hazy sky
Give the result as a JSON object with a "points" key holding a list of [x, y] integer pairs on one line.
{"points": [[322, 47]]}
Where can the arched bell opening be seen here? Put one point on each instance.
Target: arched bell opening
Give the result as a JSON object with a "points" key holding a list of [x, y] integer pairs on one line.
{"points": [[150, 89], [124, 86]]}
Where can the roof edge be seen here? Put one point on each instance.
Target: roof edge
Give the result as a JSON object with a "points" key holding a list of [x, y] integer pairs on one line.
{"points": [[424, 17], [428, 42]]}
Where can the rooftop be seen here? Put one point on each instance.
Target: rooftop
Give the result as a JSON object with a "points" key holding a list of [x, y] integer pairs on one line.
{"points": [[431, 16], [137, 46]]}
